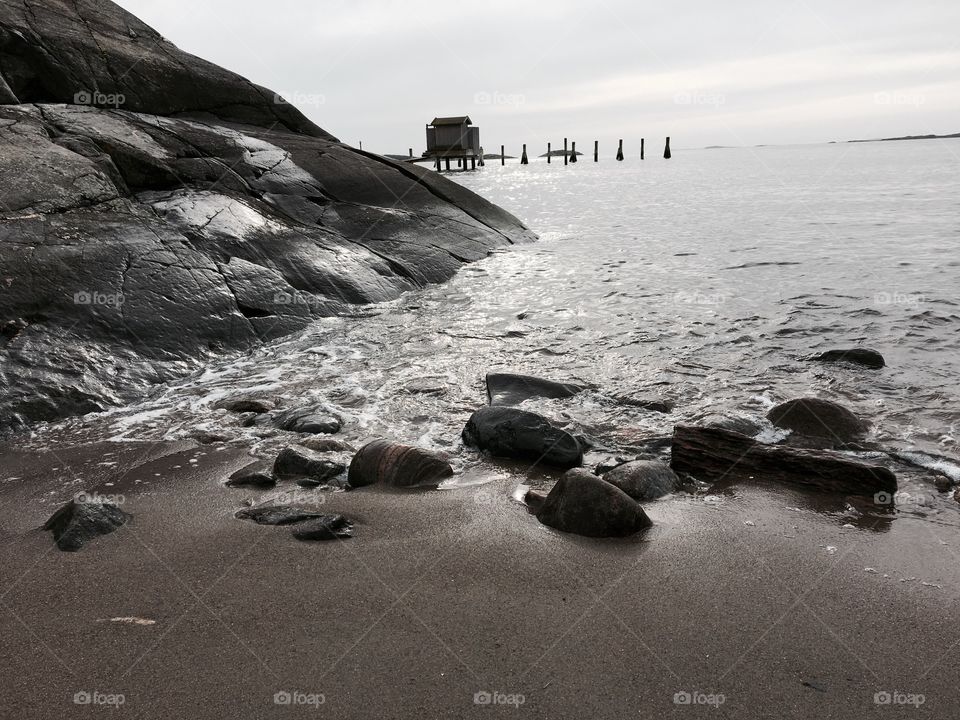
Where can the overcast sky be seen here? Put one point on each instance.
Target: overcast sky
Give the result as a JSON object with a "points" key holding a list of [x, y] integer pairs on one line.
{"points": [[703, 71]]}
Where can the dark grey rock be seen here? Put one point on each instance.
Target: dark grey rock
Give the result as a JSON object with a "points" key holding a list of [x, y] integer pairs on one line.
{"points": [[293, 463], [511, 389], [77, 522], [256, 474], [245, 405], [325, 527], [166, 211], [512, 433], [584, 504], [822, 422], [277, 514], [390, 463], [643, 479], [325, 444], [309, 420], [856, 356]]}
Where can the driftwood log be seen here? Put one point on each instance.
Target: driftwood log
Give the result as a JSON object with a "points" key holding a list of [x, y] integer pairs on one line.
{"points": [[714, 454]]}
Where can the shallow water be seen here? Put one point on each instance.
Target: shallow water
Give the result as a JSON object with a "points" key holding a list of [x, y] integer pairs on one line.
{"points": [[703, 280]]}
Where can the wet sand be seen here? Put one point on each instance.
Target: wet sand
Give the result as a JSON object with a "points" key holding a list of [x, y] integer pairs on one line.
{"points": [[754, 594]]}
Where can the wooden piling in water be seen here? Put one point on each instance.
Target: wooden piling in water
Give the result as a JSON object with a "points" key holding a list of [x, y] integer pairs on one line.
{"points": [[523, 157], [548, 153], [503, 156], [642, 141], [447, 164], [438, 163], [411, 152], [596, 150], [573, 152], [666, 150], [480, 162], [620, 151], [566, 157]]}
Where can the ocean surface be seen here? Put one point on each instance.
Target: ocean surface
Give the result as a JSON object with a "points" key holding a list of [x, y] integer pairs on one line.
{"points": [[703, 282]]}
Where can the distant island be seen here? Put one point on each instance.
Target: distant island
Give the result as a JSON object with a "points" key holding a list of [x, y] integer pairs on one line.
{"points": [[909, 137], [560, 153]]}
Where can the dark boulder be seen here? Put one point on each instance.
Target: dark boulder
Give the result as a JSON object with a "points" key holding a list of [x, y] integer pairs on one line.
{"points": [[643, 479], [819, 420], [390, 463], [584, 504], [245, 405], [293, 463], [511, 389], [256, 474], [325, 444], [512, 433], [277, 514], [325, 527], [80, 521], [660, 405], [166, 211], [856, 356], [713, 454], [308, 420]]}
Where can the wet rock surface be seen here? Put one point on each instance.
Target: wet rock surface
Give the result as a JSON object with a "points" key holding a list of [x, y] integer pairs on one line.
{"points": [[277, 514], [511, 389], [512, 433], [78, 522], [643, 479], [584, 504], [855, 356], [397, 465], [295, 464], [167, 211], [257, 474], [309, 420], [325, 527], [820, 422]]}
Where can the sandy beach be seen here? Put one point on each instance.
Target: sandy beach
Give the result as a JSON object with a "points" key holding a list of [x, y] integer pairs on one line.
{"points": [[751, 600]]}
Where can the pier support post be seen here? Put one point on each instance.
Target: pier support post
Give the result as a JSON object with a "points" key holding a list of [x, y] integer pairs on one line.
{"points": [[411, 152], [566, 155], [523, 157], [548, 153], [620, 151], [666, 150], [446, 162], [503, 158], [573, 152], [596, 150], [473, 162], [481, 158], [438, 163], [642, 141]]}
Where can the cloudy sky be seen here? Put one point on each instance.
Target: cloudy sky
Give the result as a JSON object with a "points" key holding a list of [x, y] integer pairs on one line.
{"points": [[705, 72]]}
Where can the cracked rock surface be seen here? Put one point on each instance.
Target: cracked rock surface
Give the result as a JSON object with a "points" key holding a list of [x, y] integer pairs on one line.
{"points": [[157, 210]]}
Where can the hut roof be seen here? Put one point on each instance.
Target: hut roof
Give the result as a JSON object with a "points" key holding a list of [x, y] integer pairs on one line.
{"points": [[462, 119]]}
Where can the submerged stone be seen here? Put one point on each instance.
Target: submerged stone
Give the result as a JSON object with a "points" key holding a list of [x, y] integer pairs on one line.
{"points": [[512, 433]]}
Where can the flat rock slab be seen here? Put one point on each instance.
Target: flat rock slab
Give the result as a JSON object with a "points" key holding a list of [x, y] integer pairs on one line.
{"points": [[397, 465], [510, 389], [256, 474], [277, 514], [584, 504], [821, 420], [856, 356], [293, 463], [715, 454], [76, 523], [643, 479], [309, 420], [512, 433], [325, 527]]}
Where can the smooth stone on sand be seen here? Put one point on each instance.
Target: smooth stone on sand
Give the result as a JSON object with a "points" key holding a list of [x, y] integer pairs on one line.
{"points": [[390, 463], [511, 389], [714, 454], [821, 420], [256, 474], [324, 527], [512, 433], [643, 479], [308, 420], [858, 356], [292, 463], [277, 514], [78, 522], [584, 504]]}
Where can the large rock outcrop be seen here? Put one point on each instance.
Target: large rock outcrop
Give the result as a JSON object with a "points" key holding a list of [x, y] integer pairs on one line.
{"points": [[157, 210]]}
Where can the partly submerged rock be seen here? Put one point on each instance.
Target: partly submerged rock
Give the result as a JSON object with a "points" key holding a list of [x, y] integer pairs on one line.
{"points": [[277, 514], [512, 433], [584, 504], [324, 527], [293, 463], [511, 389], [80, 521], [714, 454], [390, 463], [325, 444], [643, 479], [309, 419], [856, 356], [166, 211], [245, 404], [822, 421], [256, 474]]}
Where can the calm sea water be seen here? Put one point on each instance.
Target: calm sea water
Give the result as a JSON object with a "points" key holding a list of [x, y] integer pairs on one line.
{"points": [[703, 280]]}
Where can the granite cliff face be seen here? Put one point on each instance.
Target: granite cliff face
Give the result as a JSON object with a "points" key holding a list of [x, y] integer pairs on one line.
{"points": [[156, 210]]}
